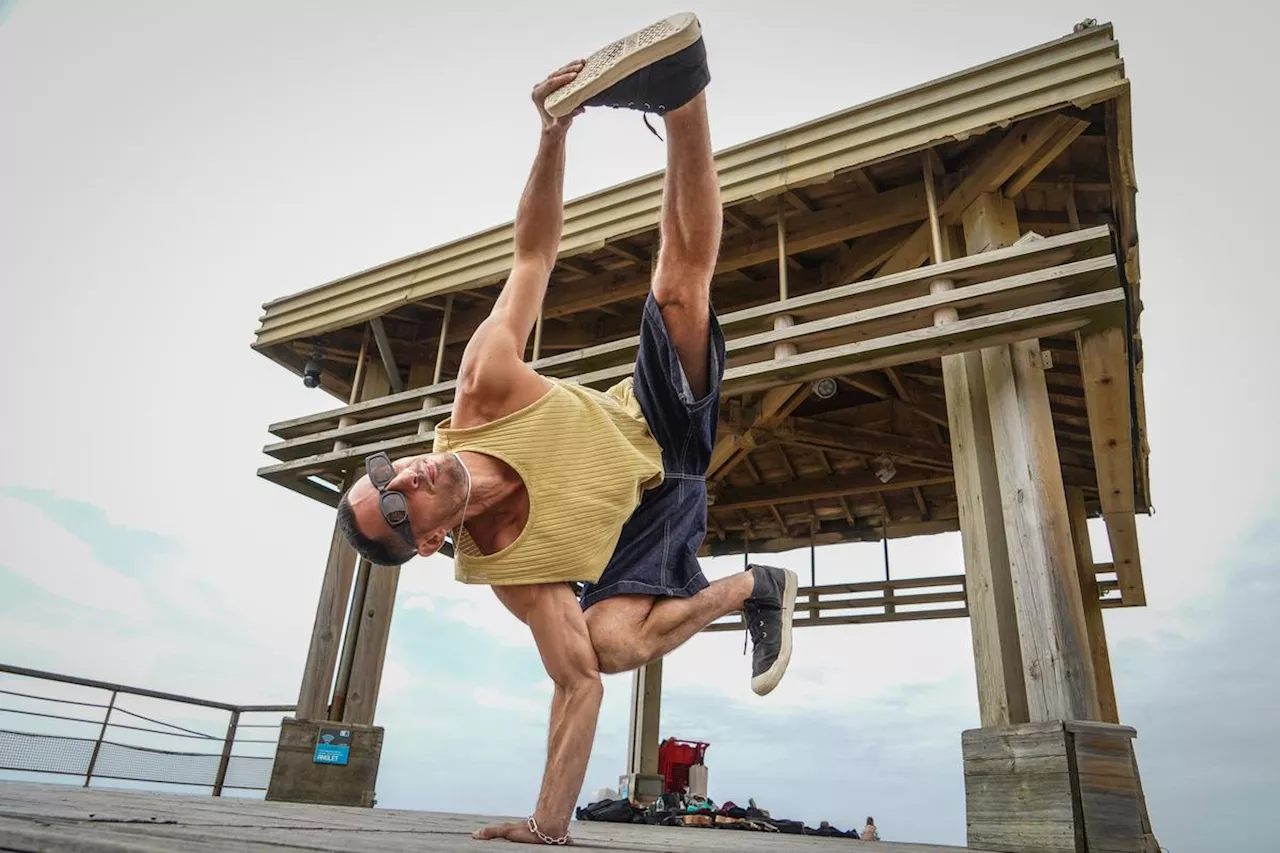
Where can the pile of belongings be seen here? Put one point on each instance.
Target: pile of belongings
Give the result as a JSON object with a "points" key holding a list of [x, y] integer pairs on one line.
{"points": [[696, 811]]}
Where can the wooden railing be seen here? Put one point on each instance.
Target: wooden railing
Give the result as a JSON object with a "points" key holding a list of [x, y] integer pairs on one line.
{"points": [[1036, 288], [898, 600]]}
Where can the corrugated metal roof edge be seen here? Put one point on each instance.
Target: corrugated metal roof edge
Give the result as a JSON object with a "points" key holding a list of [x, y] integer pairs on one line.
{"points": [[316, 318]]}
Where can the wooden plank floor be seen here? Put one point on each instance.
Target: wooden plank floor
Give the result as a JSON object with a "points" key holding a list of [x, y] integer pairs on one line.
{"points": [[67, 819]]}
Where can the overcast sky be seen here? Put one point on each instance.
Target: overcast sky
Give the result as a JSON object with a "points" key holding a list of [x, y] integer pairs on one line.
{"points": [[167, 167]]}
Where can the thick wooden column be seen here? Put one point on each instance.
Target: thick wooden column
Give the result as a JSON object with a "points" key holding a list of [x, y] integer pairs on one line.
{"points": [[1057, 667], [989, 590], [646, 712], [322, 654], [335, 589], [369, 623], [1089, 598]]}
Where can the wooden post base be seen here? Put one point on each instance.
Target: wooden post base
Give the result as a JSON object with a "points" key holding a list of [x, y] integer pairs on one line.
{"points": [[1055, 787], [297, 777]]}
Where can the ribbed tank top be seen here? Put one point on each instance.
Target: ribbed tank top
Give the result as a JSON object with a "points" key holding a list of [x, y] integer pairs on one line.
{"points": [[586, 458]]}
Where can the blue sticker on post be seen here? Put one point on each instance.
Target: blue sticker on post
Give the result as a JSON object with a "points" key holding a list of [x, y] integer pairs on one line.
{"points": [[333, 746]]}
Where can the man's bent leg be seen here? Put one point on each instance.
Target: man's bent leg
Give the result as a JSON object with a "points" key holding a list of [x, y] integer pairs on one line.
{"points": [[629, 631], [689, 238]]}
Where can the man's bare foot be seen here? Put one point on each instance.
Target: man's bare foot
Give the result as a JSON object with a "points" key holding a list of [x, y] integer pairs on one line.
{"points": [[517, 832]]}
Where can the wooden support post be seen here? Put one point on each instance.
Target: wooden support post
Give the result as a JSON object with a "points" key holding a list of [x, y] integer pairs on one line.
{"points": [[1089, 597], [537, 338], [993, 622], [1057, 668], [388, 357], [646, 713], [335, 588], [1104, 364], [782, 321], [322, 654], [349, 639], [444, 337], [371, 645]]}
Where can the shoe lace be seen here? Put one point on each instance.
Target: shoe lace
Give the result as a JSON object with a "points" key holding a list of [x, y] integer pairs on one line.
{"points": [[756, 631], [645, 116]]}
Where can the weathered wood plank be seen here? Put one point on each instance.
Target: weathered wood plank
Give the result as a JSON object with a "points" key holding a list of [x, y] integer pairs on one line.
{"points": [[1097, 633], [56, 819], [993, 623], [1104, 367], [326, 632], [1051, 627]]}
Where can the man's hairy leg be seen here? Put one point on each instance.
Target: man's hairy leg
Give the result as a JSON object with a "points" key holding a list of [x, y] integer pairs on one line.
{"points": [[689, 243], [560, 630], [629, 631]]}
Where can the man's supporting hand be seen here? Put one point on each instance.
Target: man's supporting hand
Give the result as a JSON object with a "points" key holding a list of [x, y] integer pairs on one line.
{"points": [[560, 77], [560, 631], [518, 832]]}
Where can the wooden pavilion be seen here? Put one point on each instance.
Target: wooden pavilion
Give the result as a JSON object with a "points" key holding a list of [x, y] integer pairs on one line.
{"points": [[932, 308]]}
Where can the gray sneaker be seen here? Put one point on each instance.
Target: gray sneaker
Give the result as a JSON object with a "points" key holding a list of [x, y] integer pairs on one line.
{"points": [[768, 616]]}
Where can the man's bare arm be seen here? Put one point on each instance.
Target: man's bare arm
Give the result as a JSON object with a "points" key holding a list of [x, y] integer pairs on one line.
{"points": [[559, 628], [538, 225]]}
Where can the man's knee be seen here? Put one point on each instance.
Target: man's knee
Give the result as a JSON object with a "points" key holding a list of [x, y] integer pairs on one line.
{"points": [[617, 650], [683, 282]]}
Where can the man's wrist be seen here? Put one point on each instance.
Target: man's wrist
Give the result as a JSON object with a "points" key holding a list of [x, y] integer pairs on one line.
{"points": [[554, 135], [552, 827]]}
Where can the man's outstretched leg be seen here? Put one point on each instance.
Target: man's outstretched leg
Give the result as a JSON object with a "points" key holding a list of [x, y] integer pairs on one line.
{"points": [[631, 630]]}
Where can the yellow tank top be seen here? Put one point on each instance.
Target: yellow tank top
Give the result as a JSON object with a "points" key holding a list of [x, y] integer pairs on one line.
{"points": [[586, 457]]}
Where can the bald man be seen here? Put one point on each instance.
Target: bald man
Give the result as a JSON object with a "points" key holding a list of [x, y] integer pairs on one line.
{"points": [[542, 484]]}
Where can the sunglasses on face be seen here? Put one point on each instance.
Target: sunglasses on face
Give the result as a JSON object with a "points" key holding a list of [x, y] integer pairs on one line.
{"points": [[395, 509]]}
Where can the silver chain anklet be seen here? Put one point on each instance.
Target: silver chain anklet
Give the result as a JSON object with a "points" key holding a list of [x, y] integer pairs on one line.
{"points": [[543, 837]]}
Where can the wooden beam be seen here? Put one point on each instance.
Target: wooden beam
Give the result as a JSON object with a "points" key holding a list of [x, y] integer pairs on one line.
{"points": [[1089, 596], [371, 645], [814, 488], [1052, 318], [1057, 669], [1014, 149], [857, 440], [1104, 368], [857, 218], [326, 632], [775, 405], [646, 716], [1002, 699], [388, 357], [1068, 129], [866, 254]]}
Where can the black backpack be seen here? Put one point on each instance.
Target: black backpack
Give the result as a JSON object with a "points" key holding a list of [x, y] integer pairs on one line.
{"points": [[612, 811]]}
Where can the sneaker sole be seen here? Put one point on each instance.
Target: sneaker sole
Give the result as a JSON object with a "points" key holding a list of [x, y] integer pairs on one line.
{"points": [[622, 58], [767, 680]]}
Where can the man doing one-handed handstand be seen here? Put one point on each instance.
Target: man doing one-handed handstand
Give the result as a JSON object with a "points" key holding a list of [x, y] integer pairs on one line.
{"points": [[545, 483]]}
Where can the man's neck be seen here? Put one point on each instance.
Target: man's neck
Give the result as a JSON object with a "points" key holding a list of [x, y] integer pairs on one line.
{"points": [[493, 482]]}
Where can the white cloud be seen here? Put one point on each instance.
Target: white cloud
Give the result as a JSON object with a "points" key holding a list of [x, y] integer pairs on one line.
{"points": [[397, 679], [45, 554], [492, 697], [429, 585]]}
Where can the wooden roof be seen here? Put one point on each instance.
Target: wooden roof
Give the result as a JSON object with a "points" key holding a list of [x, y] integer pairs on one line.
{"points": [[1079, 70], [1047, 127]]}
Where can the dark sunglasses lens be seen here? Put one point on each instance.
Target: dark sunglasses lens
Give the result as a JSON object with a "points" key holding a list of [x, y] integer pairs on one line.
{"points": [[380, 472], [394, 508]]}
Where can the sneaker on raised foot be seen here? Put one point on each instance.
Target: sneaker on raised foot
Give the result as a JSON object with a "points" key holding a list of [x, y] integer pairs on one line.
{"points": [[654, 70], [768, 616]]}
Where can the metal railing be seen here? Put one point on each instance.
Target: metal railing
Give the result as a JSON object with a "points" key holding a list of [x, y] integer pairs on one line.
{"points": [[129, 745]]}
